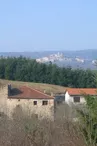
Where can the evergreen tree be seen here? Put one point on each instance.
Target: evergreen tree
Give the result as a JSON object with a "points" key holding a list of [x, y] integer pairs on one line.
{"points": [[24, 69]]}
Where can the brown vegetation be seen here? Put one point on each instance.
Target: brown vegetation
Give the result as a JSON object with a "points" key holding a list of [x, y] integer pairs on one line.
{"points": [[26, 130]]}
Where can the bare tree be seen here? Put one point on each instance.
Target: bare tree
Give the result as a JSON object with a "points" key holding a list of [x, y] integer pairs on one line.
{"points": [[25, 130]]}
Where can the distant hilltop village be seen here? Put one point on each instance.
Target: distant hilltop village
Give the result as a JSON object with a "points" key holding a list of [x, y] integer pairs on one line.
{"points": [[58, 57], [94, 62], [62, 59], [51, 58]]}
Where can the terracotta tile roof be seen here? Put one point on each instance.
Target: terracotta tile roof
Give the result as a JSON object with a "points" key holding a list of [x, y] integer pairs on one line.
{"points": [[79, 91], [29, 93]]}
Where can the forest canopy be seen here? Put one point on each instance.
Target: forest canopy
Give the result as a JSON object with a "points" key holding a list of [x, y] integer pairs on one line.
{"points": [[23, 69]]}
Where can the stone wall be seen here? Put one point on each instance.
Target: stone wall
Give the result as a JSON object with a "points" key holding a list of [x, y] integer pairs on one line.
{"points": [[3, 98], [42, 111]]}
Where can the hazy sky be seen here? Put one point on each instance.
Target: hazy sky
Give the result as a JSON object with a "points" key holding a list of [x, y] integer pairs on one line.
{"points": [[29, 25]]}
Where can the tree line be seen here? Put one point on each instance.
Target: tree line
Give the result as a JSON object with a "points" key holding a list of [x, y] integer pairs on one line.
{"points": [[24, 69]]}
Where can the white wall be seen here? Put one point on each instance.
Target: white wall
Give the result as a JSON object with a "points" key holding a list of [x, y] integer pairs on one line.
{"points": [[70, 99]]}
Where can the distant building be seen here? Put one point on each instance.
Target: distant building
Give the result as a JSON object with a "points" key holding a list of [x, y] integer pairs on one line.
{"points": [[52, 58], [94, 62], [79, 60]]}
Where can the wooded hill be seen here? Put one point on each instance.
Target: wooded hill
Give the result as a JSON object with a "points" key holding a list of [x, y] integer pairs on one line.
{"points": [[28, 70]]}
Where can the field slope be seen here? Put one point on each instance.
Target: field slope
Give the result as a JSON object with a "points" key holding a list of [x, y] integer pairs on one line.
{"points": [[40, 86]]}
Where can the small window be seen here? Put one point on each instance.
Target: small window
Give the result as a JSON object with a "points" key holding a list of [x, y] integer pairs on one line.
{"points": [[76, 99], [44, 102], [35, 102]]}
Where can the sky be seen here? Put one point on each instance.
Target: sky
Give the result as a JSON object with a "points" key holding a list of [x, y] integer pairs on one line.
{"points": [[30, 25]]}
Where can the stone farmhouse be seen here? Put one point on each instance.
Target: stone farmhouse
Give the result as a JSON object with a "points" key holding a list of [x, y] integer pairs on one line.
{"points": [[31, 100], [76, 95]]}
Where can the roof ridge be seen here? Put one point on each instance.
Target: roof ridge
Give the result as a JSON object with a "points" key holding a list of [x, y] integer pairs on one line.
{"points": [[81, 88], [38, 91], [77, 91]]}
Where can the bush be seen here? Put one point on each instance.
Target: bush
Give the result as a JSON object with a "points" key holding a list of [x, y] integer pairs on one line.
{"points": [[24, 130]]}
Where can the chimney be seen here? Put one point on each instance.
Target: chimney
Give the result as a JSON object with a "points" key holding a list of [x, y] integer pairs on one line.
{"points": [[52, 94], [44, 91], [9, 89]]}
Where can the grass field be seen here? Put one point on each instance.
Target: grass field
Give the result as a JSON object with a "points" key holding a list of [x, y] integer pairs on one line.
{"points": [[40, 86]]}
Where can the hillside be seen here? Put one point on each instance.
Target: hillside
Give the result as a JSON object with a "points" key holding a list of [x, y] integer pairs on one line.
{"points": [[89, 54], [47, 87], [28, 70]]}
